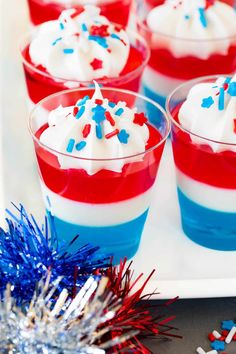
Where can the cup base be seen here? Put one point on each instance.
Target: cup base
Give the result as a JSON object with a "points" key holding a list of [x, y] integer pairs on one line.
{"points": [[118, 241], [206, 227]]}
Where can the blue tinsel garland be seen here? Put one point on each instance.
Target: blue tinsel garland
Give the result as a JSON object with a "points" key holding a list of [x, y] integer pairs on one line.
{"points": [[28, 251]]}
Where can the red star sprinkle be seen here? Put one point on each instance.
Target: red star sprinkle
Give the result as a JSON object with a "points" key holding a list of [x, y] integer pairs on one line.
{"points": [[75, 110], [109, 118], [86, 130], [96, 64], [140, 119], [100, 31], [235, 126]]}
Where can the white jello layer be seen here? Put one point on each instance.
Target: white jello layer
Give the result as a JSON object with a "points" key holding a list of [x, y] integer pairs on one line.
{"points": [[215, 198], [88, 214], [159, 83]]}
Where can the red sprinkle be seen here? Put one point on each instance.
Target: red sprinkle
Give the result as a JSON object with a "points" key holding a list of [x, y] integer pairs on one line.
{"points": [[122, 41], [235, 126], [118, 28], [86, 130], [76, 13], [110, 135], [140, 119], [224, 333], [97, 101], [96, 64], [109, 118], [211, 337], [226, 86], [100, 31], [109, 50], [75, 110]]}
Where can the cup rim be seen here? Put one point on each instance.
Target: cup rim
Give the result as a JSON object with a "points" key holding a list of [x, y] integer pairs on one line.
{"points": [[192, 83], [76, 2], [26, 40], [137, 95], [145, 27]]}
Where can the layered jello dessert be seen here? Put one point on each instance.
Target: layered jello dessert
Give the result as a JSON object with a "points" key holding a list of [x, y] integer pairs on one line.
{"points": [[204, 147], [117, 11], [188, 39], [153, 3], [78, 48], [98, 157]]}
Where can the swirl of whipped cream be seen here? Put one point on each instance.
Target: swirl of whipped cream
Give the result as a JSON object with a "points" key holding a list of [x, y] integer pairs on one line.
{"points": [[210, 112], [96, 129], [80, 46], [193, 27]]}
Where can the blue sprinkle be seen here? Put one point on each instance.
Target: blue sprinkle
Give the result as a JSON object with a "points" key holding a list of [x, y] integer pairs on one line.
{"points": [[100, 40], [92, 85], [227, 325], [221, 103], [119, 112], [68, 51], [123, 136], [113, 35], [227, 80], [80, 145], [99, 117], [80, 113], [203, 19], [214, 86], [48, 201], [83, 101], [218, 345], [70, 145], [187, 17], [207, 102], [111, 104], [99, 131], [84, 27], [62, 26], [232, 89], [98, 108], [57, 40]]}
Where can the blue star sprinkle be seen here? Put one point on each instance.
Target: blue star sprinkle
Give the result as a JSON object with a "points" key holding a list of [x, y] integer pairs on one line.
{"points": [[218, 345], [232, 89], [123, 136], [207, 102], [227, 325], [99, 114]]}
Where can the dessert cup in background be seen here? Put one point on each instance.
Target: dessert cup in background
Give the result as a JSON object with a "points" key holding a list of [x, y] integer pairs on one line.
{"points": [[203, 115], [98, 157], [153, 3], [78, 48], [186, 42], [117, 11]]}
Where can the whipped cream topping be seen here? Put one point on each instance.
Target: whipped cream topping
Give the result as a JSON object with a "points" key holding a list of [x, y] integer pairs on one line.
{"points": [[210, 112], [80, 46], [207, 25], [76, 2], [96, 129]]}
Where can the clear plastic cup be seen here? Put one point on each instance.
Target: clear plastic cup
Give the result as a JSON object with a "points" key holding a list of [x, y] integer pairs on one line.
{"points": [[117, 11], [107, 209], [172, 61], [41, 84], [206, 179]]}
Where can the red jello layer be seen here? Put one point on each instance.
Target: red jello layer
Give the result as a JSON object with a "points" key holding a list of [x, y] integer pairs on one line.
{"points": [[117, 11], [104, 186], [40, 86], [154, 3], [189, 67], [199, 162]]}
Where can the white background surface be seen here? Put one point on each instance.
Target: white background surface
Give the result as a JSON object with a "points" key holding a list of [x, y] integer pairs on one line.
{"points": [[183, 268]]}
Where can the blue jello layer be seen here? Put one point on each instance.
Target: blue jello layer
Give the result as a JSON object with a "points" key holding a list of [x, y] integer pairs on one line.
{"points": [[154, 95], [207, 227], [119, 240]]}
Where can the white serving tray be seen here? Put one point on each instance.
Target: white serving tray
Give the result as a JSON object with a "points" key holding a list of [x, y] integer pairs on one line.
{"points": [[183, 268]]}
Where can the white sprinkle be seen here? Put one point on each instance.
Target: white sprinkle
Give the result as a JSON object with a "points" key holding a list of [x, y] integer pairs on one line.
{"points": [[230, 335], [200, 351], [212, 352], [216, 334]]}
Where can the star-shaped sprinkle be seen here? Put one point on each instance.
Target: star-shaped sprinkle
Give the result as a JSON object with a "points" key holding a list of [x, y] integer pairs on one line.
{"points": [[207, 102], [218, 345], [232, 89], [227, 325], [123, 136], [96, 64], [80, 145], [140, 119], [101, 31]]}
